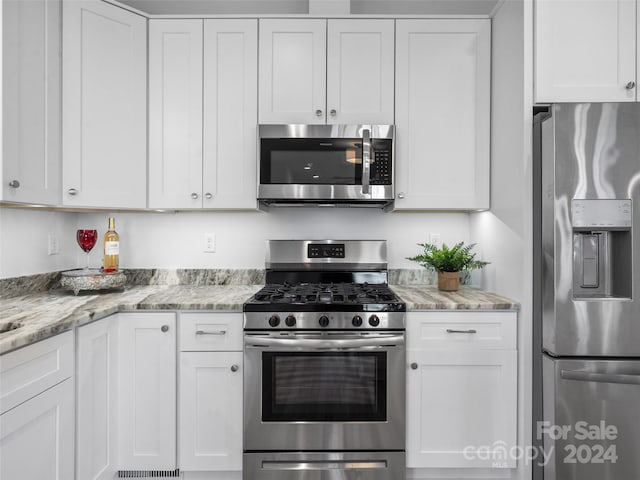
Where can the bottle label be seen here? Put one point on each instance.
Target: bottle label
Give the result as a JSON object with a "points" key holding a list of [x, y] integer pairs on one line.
{"points": [[111, 248]]}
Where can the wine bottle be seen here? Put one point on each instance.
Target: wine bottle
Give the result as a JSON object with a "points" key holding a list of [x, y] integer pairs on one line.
{"points": [[111, 248]]}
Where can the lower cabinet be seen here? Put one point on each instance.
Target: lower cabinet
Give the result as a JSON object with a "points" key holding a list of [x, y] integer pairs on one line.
{"points": [[461, 389]]}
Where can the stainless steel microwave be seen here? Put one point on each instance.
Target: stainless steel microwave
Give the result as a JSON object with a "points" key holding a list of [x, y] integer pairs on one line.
{"points": [[328, 165]]}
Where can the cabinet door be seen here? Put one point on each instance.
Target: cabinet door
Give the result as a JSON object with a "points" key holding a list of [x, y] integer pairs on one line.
{"points": [[230, 113], [459, 402], [175, 113], [360, 71], [442, 114], [31, 34], [147, 391], [292, 71], [104, 106], [585, 50], [36, 437], [210, 411], [96, 421]]}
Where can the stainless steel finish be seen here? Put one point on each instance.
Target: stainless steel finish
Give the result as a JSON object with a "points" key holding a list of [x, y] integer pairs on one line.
{"points": [[450, 330], [14, 184], [359, 465], [72, 191], [358, 254], [366, 160], [301, 436], [194, 195], [318, 113], [235, 368], [337, 320], [325, 131], [306, 341], [208, 196], [164, 328], [401, 195], [214, 332], [600, 393], [630, 85], [292, 194], [333, 112], [589, 152], [414, 366]]}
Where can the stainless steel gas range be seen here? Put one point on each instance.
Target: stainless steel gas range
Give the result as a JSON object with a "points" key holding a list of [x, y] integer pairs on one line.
{"points": [[324, 378]]}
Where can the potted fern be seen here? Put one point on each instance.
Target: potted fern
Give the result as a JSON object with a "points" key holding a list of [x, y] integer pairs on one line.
{"points": [[448, 262]]}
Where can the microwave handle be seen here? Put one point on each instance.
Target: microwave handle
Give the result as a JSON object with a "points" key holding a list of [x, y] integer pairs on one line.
{"points": [[366, 160]]}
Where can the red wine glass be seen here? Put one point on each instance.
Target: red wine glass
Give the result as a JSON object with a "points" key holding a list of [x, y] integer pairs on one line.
{"points": [[87, 240]]}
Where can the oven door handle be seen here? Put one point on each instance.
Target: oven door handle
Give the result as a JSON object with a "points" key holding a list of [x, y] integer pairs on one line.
{"points": [[323, 344], [330, 465]]}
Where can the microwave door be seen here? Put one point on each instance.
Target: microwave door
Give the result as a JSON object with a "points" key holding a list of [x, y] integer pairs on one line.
{"points": [[366, 160]]}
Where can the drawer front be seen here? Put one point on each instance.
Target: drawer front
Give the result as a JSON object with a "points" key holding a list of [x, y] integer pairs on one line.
{"points": [[209, 332], [462, 329], [29, 371]]}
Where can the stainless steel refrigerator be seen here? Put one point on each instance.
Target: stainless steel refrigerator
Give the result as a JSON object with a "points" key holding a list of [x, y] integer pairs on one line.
{"points": [[586, 294]]}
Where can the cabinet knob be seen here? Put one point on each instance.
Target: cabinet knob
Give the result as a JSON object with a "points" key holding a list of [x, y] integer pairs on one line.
{"points": [[630, 86], [164, 328], [234, 368], [401, 195], [72, 191], [194, 196], [333, 112], [208, 196], [318, 113], [414, 366], [14, 184]]}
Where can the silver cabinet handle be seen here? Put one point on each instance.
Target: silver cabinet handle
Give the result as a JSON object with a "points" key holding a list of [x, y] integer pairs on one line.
{"points": [[449, 330], [631, 85], [194, 195], [72, 191], [204, 332], [235, 368], [164, 328], [583, 376], [322, 465], [333, 112], [14, 184], [208, 196], [318, 113], [414, 366], [401, 195], [366, 160]]}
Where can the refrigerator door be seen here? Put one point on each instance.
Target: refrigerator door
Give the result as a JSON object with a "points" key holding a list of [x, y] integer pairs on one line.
{"points": [[591, 428]]}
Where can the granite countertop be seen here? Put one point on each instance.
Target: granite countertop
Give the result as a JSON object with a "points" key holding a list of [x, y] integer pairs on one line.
{"points": [[42, 315]]}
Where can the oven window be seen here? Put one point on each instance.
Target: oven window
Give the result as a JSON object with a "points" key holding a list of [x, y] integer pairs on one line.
{"points": [[324, 386]]}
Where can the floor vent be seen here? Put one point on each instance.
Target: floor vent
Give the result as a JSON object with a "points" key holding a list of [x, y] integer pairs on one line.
{"points": [[148, 473]]}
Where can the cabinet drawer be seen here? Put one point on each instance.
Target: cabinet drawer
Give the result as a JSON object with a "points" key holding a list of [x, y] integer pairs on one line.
{"points": [[456, 329], [201, 332], [31, 370]]}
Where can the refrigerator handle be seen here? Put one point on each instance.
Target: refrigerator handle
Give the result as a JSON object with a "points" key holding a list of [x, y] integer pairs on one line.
{"points": [[582, 376]]}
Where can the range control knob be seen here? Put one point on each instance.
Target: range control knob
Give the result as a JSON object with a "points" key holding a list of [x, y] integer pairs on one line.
{"points": [[374, 321], [290, 321], [323, 321], [356, 321], [274, 320]]}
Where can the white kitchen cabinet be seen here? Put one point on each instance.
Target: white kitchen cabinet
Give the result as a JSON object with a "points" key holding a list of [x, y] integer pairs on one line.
{"points": [[461, 389], [585, 51], [146, 391], [104, 121], [210, 392], [316, 71], [31, 35], [202, 113], [96, 415], [442, 149]]}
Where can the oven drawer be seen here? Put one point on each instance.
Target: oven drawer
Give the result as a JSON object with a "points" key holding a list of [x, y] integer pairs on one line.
{"points": [[208, 332], [467, 329]]}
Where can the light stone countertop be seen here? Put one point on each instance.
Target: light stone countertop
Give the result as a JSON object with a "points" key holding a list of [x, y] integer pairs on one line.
{"points": [[42, 315]]}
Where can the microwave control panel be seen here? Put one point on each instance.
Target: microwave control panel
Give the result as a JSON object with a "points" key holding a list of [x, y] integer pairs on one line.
{"points": [[381, 167]]}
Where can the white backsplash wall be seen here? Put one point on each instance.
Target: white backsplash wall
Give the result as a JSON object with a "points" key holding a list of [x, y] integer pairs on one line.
{"points": [[24, 241], [176, 240]]}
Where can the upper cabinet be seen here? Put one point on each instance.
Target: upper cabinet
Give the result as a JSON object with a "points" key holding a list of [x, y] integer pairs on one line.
{"points": [[104, 108], [443, 114], [31, 34], [202, 113], [316, 71], [585, 51]]}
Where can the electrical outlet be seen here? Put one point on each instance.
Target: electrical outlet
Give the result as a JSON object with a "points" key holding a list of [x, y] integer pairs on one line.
{"points": [[209, 243], [435, 239], [53, 248]]}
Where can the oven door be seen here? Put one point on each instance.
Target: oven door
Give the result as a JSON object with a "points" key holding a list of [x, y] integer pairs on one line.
{"points": [[324, 391]]}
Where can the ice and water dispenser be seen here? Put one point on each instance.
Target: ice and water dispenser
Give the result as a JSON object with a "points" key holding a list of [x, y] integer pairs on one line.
{"points": [[602, 248]]}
